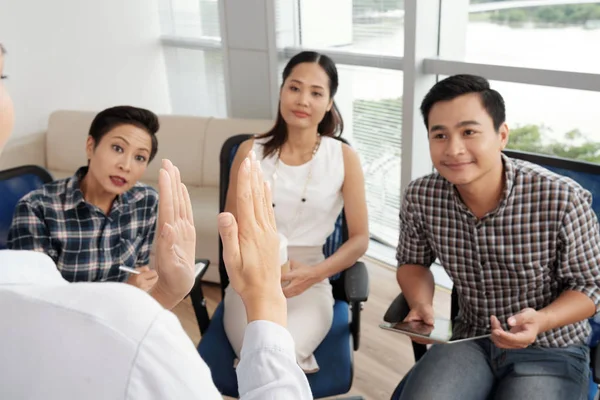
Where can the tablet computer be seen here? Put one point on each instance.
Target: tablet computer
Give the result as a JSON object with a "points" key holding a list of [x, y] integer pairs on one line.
{"points": [[440, 332]]}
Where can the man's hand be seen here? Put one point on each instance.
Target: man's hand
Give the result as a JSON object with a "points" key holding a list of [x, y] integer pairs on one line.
{"points": [[176, 242], [300, 278], [145, 280], [524, 328], [423, 313], [251, 247]]}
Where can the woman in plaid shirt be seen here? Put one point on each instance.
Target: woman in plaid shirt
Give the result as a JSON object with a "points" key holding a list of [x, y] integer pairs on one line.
{"points": [[101, 218]]}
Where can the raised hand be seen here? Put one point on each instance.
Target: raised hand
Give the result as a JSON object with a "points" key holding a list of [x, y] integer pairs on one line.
{"points": [[176, 241], [251, 247]]}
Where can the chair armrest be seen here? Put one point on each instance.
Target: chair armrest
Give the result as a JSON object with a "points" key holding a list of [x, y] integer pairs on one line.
{"points": [[356, 283], [356, 290], [198, 300], [595, 362], [398, 310], [200, 274]]}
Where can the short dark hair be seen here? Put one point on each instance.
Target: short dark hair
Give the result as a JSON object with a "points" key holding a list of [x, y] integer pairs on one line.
{"points": [[458, 85], [332, 124], [112, 117]]}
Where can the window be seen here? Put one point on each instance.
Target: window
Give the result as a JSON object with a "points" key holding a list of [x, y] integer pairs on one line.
{"points": [[559, 122], [548, 36], [196, 82], [190, 18], [195, 75], [540, 55], [561, 37], [370, 100], [362, 26]]}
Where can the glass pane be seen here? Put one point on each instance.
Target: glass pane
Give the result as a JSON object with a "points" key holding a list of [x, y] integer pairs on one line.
{"points": [[191, 18], [370, 101], [560, 122], [563, 37], [365, 26], [196, 82]]}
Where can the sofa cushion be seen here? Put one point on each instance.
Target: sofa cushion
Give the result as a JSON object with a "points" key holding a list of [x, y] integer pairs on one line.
{"points": [[57, 174], [217, 132], [65, 140], [181, 140], [205, 204]]}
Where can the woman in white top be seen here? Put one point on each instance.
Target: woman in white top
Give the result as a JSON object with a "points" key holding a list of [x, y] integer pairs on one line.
{"points": [[313, 176]]}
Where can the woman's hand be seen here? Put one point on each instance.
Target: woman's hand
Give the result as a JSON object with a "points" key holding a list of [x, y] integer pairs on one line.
{"points": [[299, 279]]}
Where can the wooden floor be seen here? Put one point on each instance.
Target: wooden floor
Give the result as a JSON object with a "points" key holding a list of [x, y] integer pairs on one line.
{"points": [[384, 356]]}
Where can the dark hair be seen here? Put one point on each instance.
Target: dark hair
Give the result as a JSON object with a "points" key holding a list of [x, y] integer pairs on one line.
{"points": [[112, 117], [458, 85], [332, 123]]}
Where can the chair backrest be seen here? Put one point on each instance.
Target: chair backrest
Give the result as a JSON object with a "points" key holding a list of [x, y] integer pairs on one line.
{"points": [[584, 173], [14, 184], [334, 241]]}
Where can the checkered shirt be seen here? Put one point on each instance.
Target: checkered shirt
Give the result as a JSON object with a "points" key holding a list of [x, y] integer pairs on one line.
{"points": [[84, 242], [542, 239]]}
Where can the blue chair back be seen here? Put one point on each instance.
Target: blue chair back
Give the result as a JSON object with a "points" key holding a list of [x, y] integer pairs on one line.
{"points": [[585, 173], [14, 184]]}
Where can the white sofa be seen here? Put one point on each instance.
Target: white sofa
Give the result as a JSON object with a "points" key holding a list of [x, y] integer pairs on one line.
{"points": [[192, 143]]}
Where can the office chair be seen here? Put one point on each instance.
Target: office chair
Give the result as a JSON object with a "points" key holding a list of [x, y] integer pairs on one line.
{"points": [[14, 184], [588, 176], [335, 353]]}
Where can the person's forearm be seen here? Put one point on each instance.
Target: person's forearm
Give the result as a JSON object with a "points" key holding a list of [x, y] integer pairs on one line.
{"points": [[267, 307], [570, 307], [345, 257], [166, 300], [416, 283]]}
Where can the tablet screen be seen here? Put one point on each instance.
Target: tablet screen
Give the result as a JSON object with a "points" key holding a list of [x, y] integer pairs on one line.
{"points": [[440, 332]]}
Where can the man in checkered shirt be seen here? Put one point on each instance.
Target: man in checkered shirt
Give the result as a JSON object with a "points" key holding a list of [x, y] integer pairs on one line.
{"points": [[522, 246], [101, 218]]}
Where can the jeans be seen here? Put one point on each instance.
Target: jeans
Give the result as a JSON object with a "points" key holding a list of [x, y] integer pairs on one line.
{"points": [[478, 370]]}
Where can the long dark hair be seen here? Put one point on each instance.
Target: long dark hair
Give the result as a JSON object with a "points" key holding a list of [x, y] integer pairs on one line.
{"points": [[332, 124]]}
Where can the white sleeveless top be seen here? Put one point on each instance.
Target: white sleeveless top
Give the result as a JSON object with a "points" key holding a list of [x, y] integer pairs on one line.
{"points": [[306, 223]]}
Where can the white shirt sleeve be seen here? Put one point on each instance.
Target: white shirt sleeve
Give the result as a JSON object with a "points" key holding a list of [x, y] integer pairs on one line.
{"points": [[168, 366], [268, 368]]}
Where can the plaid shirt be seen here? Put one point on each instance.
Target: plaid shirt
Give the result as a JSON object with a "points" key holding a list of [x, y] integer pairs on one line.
{"points": [[84, 242], [542, 239]]}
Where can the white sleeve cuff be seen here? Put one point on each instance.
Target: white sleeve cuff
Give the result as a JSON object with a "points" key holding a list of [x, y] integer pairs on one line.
{"points": [[266, 335]]}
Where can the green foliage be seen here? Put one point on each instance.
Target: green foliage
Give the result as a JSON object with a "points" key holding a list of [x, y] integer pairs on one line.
{"points": [[574, 144], [377, 127], [575, 14]]}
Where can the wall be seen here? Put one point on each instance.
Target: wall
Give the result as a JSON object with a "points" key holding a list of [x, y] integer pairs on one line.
{"points": [[81, 54]]}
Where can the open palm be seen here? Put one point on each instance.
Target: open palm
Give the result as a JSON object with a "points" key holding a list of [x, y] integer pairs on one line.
{"points": [[176, 242]]}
